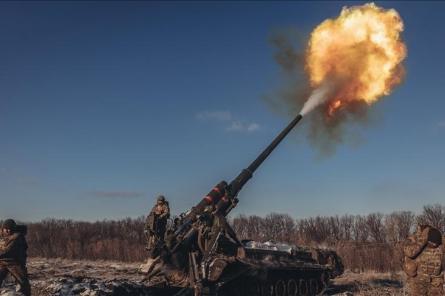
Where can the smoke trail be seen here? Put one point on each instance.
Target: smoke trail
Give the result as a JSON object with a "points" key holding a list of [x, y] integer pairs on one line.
{"points": [[318, 97]]}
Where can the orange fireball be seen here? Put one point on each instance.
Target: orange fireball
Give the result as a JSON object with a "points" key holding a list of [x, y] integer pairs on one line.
{"points": [[360, 53]]}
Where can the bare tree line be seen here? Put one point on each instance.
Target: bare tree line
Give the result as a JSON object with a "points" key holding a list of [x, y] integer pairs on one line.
{"points": [[329, 230], [365, 242], [122, 240]]}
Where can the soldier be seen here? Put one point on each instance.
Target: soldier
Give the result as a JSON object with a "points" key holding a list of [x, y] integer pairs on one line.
{"points": [[157, 221], [423, 262], [13, 255]]}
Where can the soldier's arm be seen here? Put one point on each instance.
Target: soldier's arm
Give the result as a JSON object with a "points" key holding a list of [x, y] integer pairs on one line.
{"points": [[9, 246], [413, 247], [166, 211], [443, 254], [149, 222]]}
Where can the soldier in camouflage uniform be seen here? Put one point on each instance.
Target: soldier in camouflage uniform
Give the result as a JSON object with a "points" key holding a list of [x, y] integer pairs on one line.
{"points": [[13, 248], [156, 223], [424, 262]]}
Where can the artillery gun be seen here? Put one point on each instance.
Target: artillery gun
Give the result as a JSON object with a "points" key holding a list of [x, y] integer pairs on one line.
{"points": [[201, 254]]}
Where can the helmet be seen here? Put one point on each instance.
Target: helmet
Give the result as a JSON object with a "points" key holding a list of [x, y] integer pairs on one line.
{"points": [[9, 224], [435, 236], [161, 198]]}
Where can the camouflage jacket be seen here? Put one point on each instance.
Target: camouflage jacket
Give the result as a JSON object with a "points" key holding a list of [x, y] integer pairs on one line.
{"points": [[413, 246], [156, 213], [421, 258], [162, 211], [13, 249], [430, 261]]}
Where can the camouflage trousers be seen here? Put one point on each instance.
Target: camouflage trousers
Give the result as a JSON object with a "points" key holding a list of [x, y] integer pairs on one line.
{"points": [[425, 285], [19, 273]]}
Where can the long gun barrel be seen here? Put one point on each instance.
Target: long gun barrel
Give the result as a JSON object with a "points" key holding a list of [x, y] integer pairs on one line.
{"points": [[247, 173], [223, 194], [237, 184], [217, 195]]}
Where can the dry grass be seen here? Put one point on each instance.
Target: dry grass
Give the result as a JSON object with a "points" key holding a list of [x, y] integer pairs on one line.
{"points": [[369, 283]]}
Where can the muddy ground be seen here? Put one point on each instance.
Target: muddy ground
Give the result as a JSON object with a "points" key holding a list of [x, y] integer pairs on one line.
{"points": [[62, 277]]}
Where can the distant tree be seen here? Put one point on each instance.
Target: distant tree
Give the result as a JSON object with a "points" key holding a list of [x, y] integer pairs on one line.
{"points": [[360, 229], [376, 229], [433, 215], [398, 225], [346, 227]]}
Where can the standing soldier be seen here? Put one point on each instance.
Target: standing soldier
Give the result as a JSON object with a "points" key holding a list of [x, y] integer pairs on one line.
{"points": [[13, 255], [423, 262], [157, 222]]}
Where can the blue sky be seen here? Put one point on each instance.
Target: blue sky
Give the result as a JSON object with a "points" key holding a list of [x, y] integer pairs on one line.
{"points": [[105, 105]]}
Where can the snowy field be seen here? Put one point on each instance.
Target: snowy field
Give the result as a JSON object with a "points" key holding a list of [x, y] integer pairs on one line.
{"points": [[62, 277]]}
